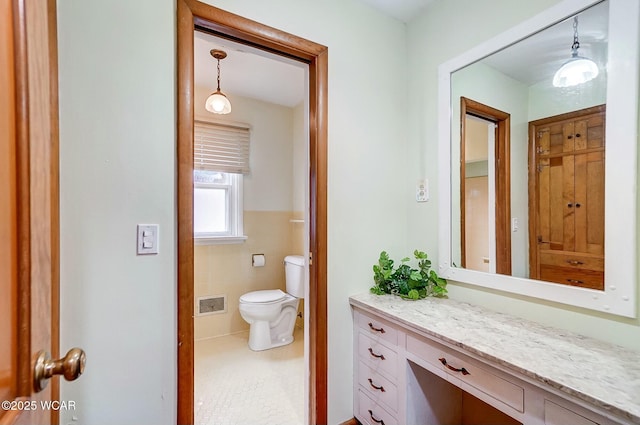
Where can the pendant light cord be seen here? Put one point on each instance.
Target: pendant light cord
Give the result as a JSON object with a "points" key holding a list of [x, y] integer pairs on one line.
{"points": [[576, 44], [218, 74]]}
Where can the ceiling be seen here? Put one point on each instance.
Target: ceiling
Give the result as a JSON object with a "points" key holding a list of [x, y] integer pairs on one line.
{"points": [[537, 57], [402, 10], [253, 73], [248, 72]]}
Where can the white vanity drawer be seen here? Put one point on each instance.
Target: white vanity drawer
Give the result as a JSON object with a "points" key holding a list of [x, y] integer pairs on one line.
{"points": [[379, 388], [378, 329], [377, 356], [558, 415], [371, 413], [459, 366]]}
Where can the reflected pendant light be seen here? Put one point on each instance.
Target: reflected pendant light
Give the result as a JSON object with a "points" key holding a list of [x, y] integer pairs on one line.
{"points": [[217, 102], [578, 69]]}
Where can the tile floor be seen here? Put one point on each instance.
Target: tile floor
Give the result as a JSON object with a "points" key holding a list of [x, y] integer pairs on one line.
{"points": [[237, 386]]}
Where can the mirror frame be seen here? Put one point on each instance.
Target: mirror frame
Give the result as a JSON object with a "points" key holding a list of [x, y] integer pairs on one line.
{"points": [[620, 294]]}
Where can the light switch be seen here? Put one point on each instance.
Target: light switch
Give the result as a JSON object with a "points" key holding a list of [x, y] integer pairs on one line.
{"points": [[147, 239]]}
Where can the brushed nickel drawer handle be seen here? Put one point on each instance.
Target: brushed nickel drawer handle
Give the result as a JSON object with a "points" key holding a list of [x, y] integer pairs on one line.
{"points": [[378, 421], [575, 281], [461, 370], [378, 356], [575, 262], [381, 330], [380, 388]]}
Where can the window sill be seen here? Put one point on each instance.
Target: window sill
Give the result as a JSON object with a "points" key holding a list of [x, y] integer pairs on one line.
{"points": [[219, 240]]}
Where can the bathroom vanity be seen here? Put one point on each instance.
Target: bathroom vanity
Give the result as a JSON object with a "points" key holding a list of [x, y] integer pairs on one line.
{"points": [[438, 361]]}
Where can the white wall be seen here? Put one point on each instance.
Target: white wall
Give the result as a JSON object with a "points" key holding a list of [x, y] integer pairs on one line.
{"points": [[544, 101], [117, 118], [455, 33], [117, 169], [269, 186]]}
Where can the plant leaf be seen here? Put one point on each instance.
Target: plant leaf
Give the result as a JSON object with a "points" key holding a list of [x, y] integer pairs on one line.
{"points": [[405, 281]]}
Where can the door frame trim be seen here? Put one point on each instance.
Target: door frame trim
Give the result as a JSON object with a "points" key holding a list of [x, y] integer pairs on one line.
{"points": [[192, 14]]}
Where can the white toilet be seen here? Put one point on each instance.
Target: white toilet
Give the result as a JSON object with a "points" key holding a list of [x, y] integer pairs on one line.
{"points": [[272, 313]]}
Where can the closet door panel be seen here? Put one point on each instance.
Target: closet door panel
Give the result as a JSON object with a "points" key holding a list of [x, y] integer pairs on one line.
{"points": [[594, 203]]}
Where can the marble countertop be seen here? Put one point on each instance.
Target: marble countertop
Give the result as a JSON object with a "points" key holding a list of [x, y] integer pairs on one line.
{"points": [[605, 375]]}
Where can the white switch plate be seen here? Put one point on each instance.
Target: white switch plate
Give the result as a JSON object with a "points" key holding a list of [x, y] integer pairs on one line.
{"points": [[147, 239], [422, 190], [514, 224]]}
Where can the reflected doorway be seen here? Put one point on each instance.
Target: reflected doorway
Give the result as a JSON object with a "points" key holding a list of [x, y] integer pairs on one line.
{"points": [[479, 247], [485, 201]]}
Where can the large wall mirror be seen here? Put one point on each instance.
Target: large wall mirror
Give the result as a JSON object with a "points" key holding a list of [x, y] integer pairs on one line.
{"points": [[538, 179]]}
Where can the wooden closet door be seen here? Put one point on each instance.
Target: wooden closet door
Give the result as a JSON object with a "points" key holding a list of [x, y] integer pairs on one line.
{"points": [[567, 199]]}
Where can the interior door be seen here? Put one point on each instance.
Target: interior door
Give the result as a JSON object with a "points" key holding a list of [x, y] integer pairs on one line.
{"points": [[29, 238], [8, 240], [567, 198]]}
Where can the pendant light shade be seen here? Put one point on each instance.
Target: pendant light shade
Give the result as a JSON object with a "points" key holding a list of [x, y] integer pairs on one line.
{"points": [[578, 69], [217, 102]]}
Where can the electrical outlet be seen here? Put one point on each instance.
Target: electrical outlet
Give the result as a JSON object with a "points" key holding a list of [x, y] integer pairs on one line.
{"points": [[422, 190]]}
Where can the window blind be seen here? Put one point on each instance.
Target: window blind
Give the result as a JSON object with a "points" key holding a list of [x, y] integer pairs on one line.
{"points": [[220, 147]]}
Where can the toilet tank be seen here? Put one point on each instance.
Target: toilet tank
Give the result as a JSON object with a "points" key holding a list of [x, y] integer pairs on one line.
{"points": [[294, 275]]}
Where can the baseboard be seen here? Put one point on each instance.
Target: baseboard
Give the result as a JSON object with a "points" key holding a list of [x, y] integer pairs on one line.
{"points": [[352, 421], [205, 338]]}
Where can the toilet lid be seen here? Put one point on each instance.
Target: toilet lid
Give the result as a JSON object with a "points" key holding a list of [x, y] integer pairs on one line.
{"points": [[266, 296]]}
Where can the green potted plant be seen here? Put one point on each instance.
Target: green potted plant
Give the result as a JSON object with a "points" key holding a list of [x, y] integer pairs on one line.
{"points": [[405, 281]]}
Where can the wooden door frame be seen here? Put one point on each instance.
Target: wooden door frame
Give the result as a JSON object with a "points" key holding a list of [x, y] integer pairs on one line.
{"points": [[502, 188], [35, 52], [193, 14]]}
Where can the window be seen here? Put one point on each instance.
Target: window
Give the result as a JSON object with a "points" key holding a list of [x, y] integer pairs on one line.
{"points": [[221, 157]]}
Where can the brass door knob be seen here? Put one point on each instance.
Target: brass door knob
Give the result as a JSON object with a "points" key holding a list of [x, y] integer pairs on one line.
{"points": [[70, 366]]}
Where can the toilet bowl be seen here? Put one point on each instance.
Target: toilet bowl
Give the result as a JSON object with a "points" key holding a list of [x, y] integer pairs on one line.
{"points": [[272, 313]]}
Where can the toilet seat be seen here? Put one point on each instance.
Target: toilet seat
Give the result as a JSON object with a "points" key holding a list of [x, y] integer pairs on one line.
{"points": [[268, 296]]}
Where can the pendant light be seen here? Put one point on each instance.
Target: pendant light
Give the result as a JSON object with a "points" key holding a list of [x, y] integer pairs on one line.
{"points": [[578, 69], [217, 102]]}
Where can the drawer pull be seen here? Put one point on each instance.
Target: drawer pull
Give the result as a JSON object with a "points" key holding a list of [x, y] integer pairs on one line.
{"points": [[575, 281], [462, 370], [575, 262], [373, 328], [378, 421], [377, 356], [380, 388]]}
